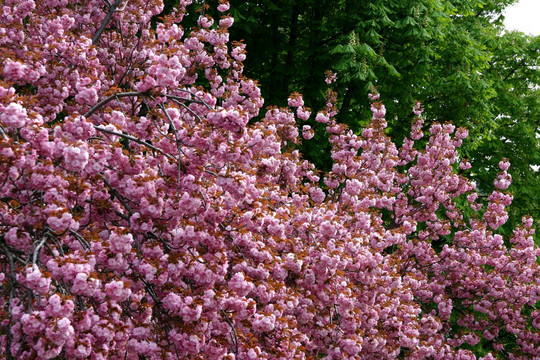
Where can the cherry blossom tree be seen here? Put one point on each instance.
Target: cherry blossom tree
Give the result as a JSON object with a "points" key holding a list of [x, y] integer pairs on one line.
{"points": [[142, 214]]}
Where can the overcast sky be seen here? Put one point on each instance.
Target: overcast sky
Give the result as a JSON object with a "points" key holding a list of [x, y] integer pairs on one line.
{"points": [[524, 16]]}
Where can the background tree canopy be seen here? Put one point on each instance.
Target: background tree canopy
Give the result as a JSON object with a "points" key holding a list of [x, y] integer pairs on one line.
{"points": [[452, 55]]}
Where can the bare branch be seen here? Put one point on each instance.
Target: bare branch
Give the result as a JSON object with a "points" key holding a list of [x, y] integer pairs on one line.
{"points": [[197, 101], [112, 97], [2, 132], [108, 17], [234, 336], [38, 249], [132, 138], [178, 146], [121, 199], [8, 255], [187, 108], [81, 240], [123, 7]]}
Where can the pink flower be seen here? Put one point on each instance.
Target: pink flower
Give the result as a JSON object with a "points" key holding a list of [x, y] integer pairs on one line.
{"points": [[263, 323], [224, 6], [205, 22], [120, 244], [462, 133], [252, 354], [82, 285], [322, 117], [374, 97], [14, 116], [84, 347], [464, 164], [87, 96], [45, 350], [76, 157], [172, 302], [307, 132], [32, 325], [504, 165], [418, 109], [353, 186], [378, 110], [472, 197], [62, 223], [14, 70], [326, 229], [146, 84], [330, 77], [317, 194], [303, 113], [226, 22], [240, 285], [36, 280], [117, 291], [60, 331], [296, 101], [239, 53]]}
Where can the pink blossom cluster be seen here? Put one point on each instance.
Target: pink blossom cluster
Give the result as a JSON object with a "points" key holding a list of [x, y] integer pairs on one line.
{"points": [[144, 214]]}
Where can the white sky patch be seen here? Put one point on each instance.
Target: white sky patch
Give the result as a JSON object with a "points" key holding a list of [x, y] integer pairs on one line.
{"points": [[524, 16]]}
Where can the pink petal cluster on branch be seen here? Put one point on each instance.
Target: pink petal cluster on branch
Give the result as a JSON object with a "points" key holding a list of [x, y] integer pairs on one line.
{"points": [[143, 216]]}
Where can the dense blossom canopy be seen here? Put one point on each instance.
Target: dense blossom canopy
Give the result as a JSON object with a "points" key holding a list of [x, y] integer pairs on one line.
{"points": [[142, 214]]}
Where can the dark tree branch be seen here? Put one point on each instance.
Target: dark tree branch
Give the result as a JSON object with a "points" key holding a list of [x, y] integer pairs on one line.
{"points": [[110, 98], [515, 68], [8, 255], [132, 138], [178, 147], [112, 8], [289, 62], [199, 101], [234, 336]]}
